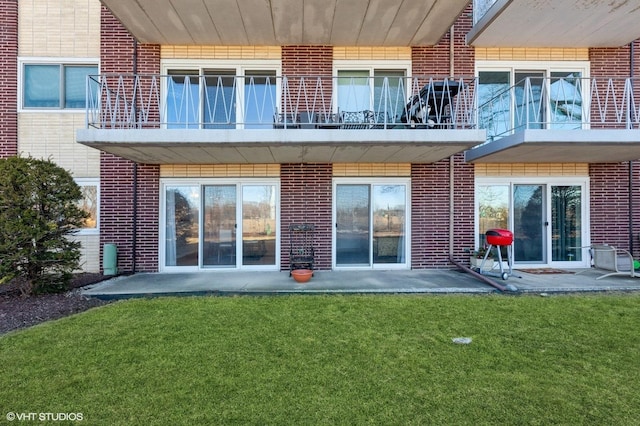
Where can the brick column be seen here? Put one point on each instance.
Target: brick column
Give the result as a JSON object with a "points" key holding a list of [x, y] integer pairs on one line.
{"points": [[8, 78], [133, 228], [306, 198], [430, 204]]}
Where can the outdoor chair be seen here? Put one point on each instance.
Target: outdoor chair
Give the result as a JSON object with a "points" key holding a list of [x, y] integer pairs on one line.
{"points": [[616, 261], [301, 250]]}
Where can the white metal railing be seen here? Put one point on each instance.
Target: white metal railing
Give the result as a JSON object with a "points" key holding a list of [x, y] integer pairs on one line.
{"points": [[559, 103], [119, 101]]}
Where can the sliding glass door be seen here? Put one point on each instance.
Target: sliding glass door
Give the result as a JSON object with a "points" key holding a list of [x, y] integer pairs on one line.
{"points": [[221, 225], [547, 219], [370, 224]]}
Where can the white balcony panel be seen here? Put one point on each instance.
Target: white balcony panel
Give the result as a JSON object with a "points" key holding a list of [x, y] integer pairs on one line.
{"points": [[158, 146], [560, 146], [557, 23], [288, 22]]}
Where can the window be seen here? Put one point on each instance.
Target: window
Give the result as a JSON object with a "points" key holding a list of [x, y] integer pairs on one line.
{"points": [[220, 95], [384, 92], [548, 217], [56, 85], [531, 95], [381, 88], [90, 202]]}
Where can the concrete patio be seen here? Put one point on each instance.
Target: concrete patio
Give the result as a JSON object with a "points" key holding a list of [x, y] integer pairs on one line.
{"points": [[328, 282]]}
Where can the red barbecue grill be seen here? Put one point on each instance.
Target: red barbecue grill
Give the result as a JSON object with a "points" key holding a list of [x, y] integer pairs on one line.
{"points": [[499, 238]]}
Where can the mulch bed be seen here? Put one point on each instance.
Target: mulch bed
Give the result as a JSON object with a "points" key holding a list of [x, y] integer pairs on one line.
{"points": [[17, 312]]}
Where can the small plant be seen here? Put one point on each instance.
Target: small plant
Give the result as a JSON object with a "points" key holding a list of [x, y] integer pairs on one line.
{"points": [[480, 252]]}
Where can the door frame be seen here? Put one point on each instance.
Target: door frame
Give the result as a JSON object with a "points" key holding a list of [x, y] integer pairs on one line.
{"points": [[201, 182], [547, 182], [371, 181]]}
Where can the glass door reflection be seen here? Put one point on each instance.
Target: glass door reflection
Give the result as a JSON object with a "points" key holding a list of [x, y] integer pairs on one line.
{"points": [[352, 225], [259, 230], [219, 225]]}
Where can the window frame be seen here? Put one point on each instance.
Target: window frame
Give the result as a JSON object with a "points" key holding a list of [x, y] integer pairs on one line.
{"points": [[371, 67], [201, 67], [62, 63], [91, 182], [547, 67]]}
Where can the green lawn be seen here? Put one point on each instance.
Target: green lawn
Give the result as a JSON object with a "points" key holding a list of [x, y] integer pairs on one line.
{"points": [[333, 360]]}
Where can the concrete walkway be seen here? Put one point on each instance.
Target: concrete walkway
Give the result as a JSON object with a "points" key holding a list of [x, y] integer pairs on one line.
{"points": [[414, 281]]}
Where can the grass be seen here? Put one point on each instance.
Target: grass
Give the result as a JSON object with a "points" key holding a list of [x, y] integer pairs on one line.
{"points": [[333, 360]]}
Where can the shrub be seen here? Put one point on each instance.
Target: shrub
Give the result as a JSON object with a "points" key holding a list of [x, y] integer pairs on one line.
{"points": [[38, 212]]}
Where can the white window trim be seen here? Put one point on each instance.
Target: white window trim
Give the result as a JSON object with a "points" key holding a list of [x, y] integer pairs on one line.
{"points": [[583, 181], [37, 60], [547, 66], [373, 181], [91, 182], [241, 66], [238, 182], [371, 66]]}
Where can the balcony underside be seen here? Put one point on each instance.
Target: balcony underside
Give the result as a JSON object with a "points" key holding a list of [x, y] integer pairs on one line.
{"points": [[557, 23], [278, 146], [288, 22], [560, 146]]}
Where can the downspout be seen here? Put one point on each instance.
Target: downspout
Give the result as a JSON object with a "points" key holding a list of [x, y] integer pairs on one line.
{"points": [[134, 237], [631, 74], [451, 159]]}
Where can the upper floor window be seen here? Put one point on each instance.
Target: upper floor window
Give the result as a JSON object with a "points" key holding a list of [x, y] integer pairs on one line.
{"points": [[531, 95], [56, 86], [381, 88], [221, 95]]}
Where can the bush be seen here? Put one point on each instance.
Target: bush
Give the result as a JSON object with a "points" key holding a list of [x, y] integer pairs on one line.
{"points": [[38, 212]]}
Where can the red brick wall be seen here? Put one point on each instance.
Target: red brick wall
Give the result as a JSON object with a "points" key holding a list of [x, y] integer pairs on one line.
{"points": [[430, 206], [120, 222], [8, 78], [430, 196], [610, 195], [306, 198], [308, 61], [435, 61]]}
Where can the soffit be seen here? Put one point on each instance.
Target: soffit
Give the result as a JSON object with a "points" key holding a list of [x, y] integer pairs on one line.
{"points": [[557, 23], [288, 22], [560, 146]]}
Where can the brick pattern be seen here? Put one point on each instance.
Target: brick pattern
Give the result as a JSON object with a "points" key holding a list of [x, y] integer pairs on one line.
{"points": [[72, 28], [430, 201], [305, 61], [133, 230], [610, 196], [8, 78], [306, 198], [435, 61]]}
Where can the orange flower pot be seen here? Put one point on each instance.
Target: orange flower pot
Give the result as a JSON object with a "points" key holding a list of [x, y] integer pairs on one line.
{"points": [[302, 275]]}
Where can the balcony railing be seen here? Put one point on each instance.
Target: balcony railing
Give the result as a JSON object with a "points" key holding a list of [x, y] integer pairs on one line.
{"points": [[559, 103], [117, 101]]}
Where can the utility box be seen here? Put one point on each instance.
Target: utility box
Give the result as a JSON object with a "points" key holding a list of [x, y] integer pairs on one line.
{"points": [[110, 259]]}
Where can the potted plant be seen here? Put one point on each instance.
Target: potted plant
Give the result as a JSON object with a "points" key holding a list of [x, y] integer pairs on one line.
{"points": [[477, 256]]}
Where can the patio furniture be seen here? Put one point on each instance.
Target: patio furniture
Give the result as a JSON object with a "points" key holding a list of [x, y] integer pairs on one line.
{"points": [[286, 121], [301, 251], [615, 260], [431, 107], [357, 119]]}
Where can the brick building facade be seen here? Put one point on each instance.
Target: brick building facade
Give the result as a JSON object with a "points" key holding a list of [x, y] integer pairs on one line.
{"points": [[441, 209]]}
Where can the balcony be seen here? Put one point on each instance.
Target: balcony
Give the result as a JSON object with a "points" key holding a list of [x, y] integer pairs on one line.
{"points": [[288, 22], [213, 119], [569, 119], [557, 23]]}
